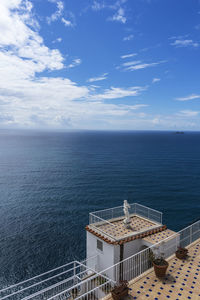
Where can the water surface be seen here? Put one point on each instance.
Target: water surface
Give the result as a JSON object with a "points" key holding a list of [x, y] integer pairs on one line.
{"points": [[49, 182]]}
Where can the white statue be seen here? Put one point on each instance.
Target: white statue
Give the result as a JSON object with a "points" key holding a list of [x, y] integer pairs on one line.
{"points": [[126, 212]]}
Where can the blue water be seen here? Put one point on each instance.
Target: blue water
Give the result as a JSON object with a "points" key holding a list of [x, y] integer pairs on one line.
{"points": [[49, 182]]}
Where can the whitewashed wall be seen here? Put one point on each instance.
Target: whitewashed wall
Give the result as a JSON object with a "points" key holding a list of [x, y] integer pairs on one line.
{"points": [[132, 247], [105, 257]]}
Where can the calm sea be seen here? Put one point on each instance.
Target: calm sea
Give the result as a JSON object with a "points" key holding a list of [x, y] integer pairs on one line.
{"points": [[49, 182]]}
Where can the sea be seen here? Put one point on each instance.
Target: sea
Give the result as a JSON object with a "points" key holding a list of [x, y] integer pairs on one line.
{"points": [[51, 181]]}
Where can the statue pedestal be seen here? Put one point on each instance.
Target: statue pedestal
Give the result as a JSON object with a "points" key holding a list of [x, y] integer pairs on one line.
{"points": [[127, 223]]}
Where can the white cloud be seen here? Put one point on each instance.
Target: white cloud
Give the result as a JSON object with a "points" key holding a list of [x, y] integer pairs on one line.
{"points": [[99, 78], [156, 121], [154, 80], [28, 99], [187, 98], [179, 37], [137, 106], [131, 63], [119, 16], [128, 38], [188, 113], [67, 23], [116, 93], [52, 102], [128, 55], [185, 43], [76, 62], [58, 13], [151, 47], [97, 5], [119, 12], [16, 67], [138, 65], [12, 25], [174, 122], [58, 40], [27, 53]]}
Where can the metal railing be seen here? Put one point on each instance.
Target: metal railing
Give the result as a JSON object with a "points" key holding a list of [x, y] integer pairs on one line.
{"points": [[67, 276], [148, 213], [117, 212], [83, 283], [62, 290], [137, 264], [98, 292], [99, 285], [95, 287], [107, 216]]}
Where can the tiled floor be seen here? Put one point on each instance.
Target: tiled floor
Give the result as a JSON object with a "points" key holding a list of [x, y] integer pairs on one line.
{"points": [[181, 282], [157, 237], [137, 224]]}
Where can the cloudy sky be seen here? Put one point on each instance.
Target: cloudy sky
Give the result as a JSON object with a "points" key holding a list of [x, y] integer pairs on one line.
{"points": [[94, 64]]}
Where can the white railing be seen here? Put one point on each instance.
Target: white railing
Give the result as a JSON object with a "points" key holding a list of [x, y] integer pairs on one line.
{"points": [[99, 285], [107, 216], [67, 275], [98, 292], [148, 213], [78, 280], [95, 287], [137, 264], [97, 222], [62, 289], [117, 212]]}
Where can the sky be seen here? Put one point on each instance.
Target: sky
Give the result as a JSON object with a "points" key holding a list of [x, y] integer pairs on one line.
{"points": [[100, 65]]}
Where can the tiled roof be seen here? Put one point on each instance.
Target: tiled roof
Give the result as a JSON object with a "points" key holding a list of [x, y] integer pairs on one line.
{"points": [[128, 239]]}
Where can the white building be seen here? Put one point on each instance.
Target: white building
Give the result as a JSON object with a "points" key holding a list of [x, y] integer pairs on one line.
{"points": [[113, 241], [119, 241]]}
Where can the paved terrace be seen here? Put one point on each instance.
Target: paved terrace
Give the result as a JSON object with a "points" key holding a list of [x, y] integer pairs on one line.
{"points": [[159, 236], [182, 280]]}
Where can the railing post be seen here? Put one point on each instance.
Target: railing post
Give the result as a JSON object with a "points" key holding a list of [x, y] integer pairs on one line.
{"points": [[140, 267], [190, 234], [74, 269], [148, 213]]}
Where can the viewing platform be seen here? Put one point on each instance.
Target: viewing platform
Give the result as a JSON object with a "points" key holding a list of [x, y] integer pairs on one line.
{"points": [[115, 236], [108, 224]]}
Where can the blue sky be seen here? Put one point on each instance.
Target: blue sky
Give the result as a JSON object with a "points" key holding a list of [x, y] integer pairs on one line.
{"points": [[86, 64]]}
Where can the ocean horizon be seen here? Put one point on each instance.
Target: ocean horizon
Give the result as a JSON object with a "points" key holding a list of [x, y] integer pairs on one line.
{"points": [[50, 181]]}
